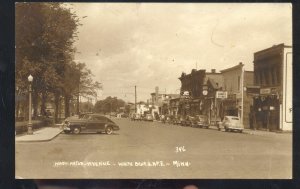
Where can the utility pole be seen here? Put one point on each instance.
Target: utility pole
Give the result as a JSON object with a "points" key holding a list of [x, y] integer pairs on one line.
{"points": [[242, 88], [135, 98]]}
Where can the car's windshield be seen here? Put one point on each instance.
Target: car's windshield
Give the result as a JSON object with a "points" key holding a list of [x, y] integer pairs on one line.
{"points": [[86, 116]]}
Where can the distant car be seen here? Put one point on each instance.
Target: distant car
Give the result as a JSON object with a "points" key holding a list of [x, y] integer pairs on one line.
{"points": [[189, 120], [201, 121], [170, 119], [182, 121], [90, 123], [231, 123], [124, 115], [148, 117], [176, 121], [113, 114], [136, 117]]}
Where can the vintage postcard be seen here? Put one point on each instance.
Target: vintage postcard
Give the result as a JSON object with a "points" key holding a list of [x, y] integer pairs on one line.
{"points": [[153, 90]]}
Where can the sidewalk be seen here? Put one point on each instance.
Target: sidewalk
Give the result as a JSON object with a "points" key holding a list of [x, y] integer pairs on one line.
{"points": [[41, 135], [256, 132], [265, 132]]}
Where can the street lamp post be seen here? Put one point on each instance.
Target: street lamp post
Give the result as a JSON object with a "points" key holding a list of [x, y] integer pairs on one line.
{"points": [[29, 126]]}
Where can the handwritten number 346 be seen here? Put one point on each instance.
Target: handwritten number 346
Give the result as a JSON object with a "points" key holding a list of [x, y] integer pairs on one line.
{"points": [[180, 149]]}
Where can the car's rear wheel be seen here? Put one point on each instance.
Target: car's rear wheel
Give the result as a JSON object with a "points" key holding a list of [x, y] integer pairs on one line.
{"points": [[67, 132], [76, 130], [109, 130]]}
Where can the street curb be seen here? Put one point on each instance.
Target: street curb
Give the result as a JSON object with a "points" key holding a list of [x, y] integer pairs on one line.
{"points": [[257, 132], [42, 140]]}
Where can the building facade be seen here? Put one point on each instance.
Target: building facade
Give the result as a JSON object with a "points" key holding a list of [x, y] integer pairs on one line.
{"points": [[272, 108], [237, 102], [216, 94], [191, 92], [160, 103]]}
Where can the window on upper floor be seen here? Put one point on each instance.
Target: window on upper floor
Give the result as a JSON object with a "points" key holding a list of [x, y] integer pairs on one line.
{"points": [[261, 77]]}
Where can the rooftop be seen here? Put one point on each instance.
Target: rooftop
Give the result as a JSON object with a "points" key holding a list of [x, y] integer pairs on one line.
{"points": [[240, 65]]}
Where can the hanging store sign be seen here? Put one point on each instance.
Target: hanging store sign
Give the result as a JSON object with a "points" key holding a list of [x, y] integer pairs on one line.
{"points": [[253, 90], [221, 94], [265, 91]]}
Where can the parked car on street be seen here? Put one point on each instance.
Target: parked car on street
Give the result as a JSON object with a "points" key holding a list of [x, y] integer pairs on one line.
{"points": [[148, 117], [231, 123], [90, 123], [176, 120], [189, 121], [182, 121], [71, 118], [80, 116], [124, 115], [201, 121], [136, 117]]}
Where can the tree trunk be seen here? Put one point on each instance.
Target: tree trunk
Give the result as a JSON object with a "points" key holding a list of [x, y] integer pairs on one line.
{"points": [[67, 106], [56, 102], [78, 103], [43, 103]]}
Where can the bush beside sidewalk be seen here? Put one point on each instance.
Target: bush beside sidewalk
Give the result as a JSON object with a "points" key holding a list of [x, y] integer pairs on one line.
{"points": [[21, 126]]}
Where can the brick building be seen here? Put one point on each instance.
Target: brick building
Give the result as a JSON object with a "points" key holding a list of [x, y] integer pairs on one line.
{"points": [[272, 108]]}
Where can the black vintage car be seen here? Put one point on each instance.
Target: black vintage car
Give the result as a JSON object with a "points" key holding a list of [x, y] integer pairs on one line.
{"points": [[90, 123]]}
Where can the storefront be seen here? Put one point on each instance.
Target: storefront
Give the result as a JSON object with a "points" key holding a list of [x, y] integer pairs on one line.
{"points": [[266, 112]]}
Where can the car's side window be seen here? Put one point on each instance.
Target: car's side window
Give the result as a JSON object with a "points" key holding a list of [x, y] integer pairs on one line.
{"points": [[94, 118], [98, 118]]}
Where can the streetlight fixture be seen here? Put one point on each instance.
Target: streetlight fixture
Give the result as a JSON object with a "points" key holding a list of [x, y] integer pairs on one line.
{"points": [[29, 126]]}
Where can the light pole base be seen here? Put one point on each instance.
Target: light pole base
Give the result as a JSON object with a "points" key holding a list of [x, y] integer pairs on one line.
{"points": [[29, 129]]}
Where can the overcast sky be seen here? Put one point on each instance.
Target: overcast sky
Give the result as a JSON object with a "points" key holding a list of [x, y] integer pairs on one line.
{"points": [[151, 44]]}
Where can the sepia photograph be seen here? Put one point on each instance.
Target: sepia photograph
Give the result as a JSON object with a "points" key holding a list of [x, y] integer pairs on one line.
{"points": [[153, 91]]}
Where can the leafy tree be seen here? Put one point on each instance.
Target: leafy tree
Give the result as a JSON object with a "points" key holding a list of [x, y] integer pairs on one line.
{"points": [[110, 104], [79, 82], [45, 33]]}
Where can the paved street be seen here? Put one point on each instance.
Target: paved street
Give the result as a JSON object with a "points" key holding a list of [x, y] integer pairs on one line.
{"points": [[156, 150]]}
